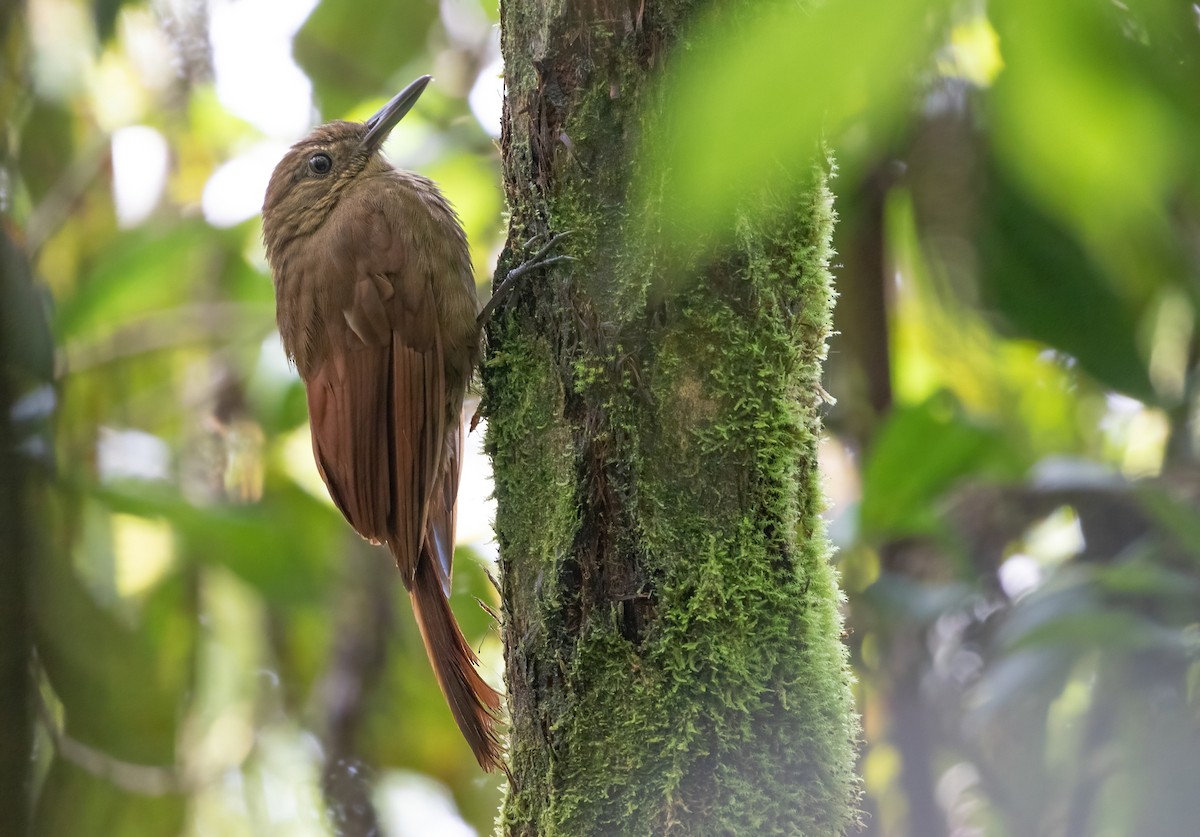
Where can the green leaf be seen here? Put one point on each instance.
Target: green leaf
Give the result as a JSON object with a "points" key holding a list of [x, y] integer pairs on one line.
{"points": [[73, 802], [751, 98], [1177, 518], [121, 685], [283, 545], [143, 270], [1046, 286], [920, 453], [352, 50]]}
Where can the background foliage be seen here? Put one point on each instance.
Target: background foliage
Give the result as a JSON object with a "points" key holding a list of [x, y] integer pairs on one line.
{"points": [[1011, 458]]}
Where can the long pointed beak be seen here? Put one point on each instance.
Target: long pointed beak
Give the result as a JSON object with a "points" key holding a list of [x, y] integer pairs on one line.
{"points": [[381, 124]]}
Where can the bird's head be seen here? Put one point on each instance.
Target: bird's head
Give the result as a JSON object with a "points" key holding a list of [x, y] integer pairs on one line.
{"points": [[307, 182]]}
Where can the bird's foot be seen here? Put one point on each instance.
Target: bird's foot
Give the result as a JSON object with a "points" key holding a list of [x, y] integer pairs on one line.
{"points": [[537, 261]]}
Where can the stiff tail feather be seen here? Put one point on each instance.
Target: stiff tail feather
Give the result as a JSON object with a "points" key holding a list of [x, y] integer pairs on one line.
{"points": [[474, 704]]}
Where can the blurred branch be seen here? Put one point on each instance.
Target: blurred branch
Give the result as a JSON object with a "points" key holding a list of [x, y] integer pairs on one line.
{"points": [[142, 779], [1111, 514], [913, 724], [55, 208], [863, 358], [358, 658], [170, 329]]}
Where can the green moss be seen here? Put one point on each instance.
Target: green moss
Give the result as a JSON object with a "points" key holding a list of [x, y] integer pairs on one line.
{"points": [[531, 448], [671, 616], [752, 628]]}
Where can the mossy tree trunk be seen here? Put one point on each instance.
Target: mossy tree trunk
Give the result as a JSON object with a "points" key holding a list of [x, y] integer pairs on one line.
{"points": [[671, 625]]}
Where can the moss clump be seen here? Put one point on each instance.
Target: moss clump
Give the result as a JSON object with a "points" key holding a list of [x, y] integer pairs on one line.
{"points": [[671, 616]]}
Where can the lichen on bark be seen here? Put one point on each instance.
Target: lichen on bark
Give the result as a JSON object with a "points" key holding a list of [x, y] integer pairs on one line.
{"points": [[672, 635]]}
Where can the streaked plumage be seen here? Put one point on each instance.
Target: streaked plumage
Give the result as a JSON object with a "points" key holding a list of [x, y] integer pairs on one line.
{"points": [[376, 305]]}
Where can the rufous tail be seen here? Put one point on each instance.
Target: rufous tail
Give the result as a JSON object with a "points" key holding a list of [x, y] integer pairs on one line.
{"points": [[474, 704]]}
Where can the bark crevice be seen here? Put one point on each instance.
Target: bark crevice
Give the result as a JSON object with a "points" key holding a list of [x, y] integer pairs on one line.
{"points": [[671, 626]]}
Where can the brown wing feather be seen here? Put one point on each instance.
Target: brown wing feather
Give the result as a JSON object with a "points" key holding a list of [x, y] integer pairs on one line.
{"points": [[378, 400], [387, 433], [418, 429], [348, 414], [443, 508]]}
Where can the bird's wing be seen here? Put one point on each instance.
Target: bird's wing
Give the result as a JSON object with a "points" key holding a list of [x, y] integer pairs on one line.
{"points": [[442, 507], [347, 397], [385, 402], [378, 401]]}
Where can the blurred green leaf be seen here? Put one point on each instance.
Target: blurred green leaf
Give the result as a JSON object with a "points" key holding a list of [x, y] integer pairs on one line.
{"points": [[142, 270], [1145, 579], [900, 598], [921, 452], [353, 50], [1012, 679], [282, 545], [492, 10], [73, 802], [1177, 518], [280, 406], [753, 95], [1081, 119], [1045, 284], [1104, 628], [121, 684]]}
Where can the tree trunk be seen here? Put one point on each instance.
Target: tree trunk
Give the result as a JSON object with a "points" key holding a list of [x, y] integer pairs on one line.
{"points": [[16, 542], [671, 625], [16, 692]]}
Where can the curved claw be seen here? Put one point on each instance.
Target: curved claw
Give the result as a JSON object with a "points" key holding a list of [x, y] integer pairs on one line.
{"points": [[550, 244], [535, 262], [528, 245]]}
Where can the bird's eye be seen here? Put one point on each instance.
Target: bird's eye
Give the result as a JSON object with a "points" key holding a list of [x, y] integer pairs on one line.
{"points": [[320, 164]]}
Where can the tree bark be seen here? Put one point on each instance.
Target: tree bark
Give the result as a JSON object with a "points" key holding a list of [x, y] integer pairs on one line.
{"points": [[16, 704], [671, 625], [16, 542]]}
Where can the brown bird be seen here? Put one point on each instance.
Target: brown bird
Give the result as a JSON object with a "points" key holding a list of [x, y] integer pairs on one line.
{"points": [[376, 305]]}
